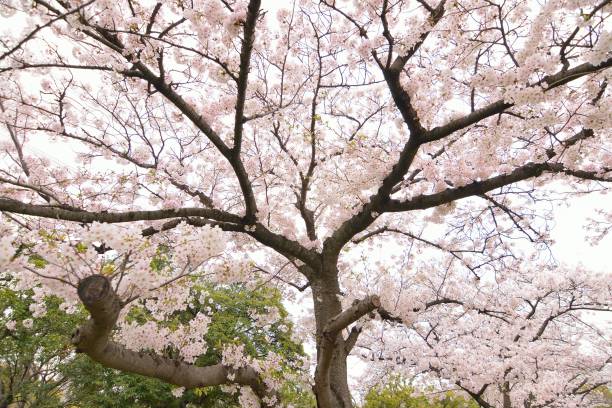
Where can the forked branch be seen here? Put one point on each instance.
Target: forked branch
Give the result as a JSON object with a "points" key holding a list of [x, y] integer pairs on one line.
{"points": [[327, 342]]}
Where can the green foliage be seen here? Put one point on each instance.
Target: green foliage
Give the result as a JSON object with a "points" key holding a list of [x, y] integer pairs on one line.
{"points": [[33, 358], [231, 308], [98, 386], [79, 382], [37, 261], [397, 393], [232, 322], [605, 394]]}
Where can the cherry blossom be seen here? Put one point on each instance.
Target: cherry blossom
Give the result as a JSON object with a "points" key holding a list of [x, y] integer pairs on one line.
{"points": [[391, 167]]}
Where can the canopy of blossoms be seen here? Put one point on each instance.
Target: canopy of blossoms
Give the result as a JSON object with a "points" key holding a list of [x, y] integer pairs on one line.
{"points": [[397, 161]]}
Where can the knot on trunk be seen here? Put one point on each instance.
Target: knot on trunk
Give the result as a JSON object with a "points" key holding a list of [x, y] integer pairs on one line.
{"points": [[104, 305], [100, 299], [93, 288]]}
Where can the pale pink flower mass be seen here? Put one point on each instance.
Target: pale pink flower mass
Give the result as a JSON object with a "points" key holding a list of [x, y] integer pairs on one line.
{"points": [[393, 168]]}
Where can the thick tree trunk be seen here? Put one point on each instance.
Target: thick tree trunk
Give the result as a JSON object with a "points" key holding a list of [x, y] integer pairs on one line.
{"points": [[506, 395], [331, 387]]}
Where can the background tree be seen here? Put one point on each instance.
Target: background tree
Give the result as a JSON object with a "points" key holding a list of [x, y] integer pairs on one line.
{"points": [[397, 393], [286, 144], [34, 351], [606, 397], [39, 369]]}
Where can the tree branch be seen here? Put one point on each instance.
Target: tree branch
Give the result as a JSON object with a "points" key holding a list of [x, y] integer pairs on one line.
{"points": [[158, 82], [550, 81], [521, 173], [83, 216], [38, 28], [327, 344], [243, 75], [476, 396], [225, 220], [92, 338]]}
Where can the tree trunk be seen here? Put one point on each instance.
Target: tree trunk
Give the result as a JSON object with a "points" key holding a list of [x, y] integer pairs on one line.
{"points": [[331, 388], [6, 397], [506, 395]]}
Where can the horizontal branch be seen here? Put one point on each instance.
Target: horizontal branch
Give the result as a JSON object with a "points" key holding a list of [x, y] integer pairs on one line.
{"points": [[549, 82], [521, 173], [45, 211], [192, 215], [390, 317], [195, 222], [26, 65], [92, 338]]}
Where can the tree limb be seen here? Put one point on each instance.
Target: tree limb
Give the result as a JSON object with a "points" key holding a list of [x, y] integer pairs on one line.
{"points": [[327, 344], [494, 108], [521, 173], [93, 339], [224, 219]]}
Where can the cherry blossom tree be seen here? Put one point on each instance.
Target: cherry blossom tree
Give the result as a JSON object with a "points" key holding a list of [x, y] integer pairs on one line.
{"points": [[396, 160]]}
